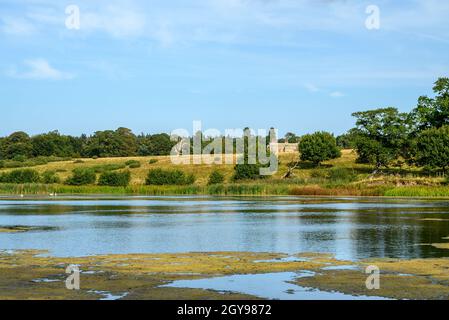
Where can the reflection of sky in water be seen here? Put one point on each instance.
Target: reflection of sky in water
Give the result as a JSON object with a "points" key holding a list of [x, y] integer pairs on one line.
{"points": [[274, 286], [349, 228]]}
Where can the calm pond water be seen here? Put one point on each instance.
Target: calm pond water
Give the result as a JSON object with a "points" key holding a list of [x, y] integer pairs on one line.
{"points": [[350, 228]]}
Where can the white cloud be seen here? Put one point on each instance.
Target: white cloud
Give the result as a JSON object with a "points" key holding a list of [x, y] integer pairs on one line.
{"points": [[17, 26], [337, 94], [114, 20], [311, 88], [39, 69]]}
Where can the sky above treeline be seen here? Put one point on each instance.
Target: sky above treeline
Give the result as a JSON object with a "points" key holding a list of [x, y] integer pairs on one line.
{"points": [[155, 66]]}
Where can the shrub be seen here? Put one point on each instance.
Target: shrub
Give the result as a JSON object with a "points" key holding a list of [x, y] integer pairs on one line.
{"points": [[78, 161], [247, 172], [2, 164], [50, 177], [133, 164], [319, 147], [82, 176], [153, 161], [20, 176], [20, 158], [168, 177], [216, 177], [115, 179]]}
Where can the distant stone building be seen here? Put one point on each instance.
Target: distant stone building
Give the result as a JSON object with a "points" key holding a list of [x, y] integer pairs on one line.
{"points": [[288, 147]]}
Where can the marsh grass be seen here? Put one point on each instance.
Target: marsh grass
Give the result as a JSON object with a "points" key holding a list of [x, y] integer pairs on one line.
{"points": [[420, 191]]}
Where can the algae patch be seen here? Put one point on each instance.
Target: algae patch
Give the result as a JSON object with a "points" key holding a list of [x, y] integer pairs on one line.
{"points": [[20, 229], [399, 279], [31, 275]]}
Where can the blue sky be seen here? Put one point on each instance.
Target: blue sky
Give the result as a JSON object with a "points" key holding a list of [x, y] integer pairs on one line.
{"points": [[152, 66]]}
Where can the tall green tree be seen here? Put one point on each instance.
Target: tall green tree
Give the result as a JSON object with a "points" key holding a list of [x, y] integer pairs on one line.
{"points": [[17, 145], [119, 143], [54, 144], [433, 112], [381, 136], [318, 147], [432, 148], [155, 145]]}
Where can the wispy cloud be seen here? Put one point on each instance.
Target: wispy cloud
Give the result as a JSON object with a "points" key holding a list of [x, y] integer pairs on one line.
{"points": [[311, 87], [17, 26], [114, 20], [39, 69], [337, 94]]}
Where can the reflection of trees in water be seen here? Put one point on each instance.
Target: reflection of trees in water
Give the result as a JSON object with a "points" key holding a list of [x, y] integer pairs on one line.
{"points": [[399, 232]]}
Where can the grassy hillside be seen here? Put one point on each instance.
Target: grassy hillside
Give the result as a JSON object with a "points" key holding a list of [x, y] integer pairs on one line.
{"points": [[342, 176]]}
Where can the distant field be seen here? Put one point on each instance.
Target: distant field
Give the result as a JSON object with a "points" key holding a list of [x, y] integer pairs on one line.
{"points": [[342, 176]]}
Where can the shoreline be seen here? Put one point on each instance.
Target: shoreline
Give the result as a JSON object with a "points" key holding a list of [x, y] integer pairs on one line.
{"points": [[241, 189]]}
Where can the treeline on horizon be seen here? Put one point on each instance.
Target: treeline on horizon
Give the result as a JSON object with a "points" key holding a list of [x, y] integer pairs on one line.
{"points": [[102, 144], [109, 143], [382, 137]]}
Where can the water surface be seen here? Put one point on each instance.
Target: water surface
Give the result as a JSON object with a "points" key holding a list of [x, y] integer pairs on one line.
{"points": [[350, 228]]}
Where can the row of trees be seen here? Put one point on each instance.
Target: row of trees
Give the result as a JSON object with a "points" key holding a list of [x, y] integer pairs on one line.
{"points": [[119, 143]]}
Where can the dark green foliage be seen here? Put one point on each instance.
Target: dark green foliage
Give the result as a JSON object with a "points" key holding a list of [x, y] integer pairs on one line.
{"points": [[216, 177], [119, 143], [319, 147], [433, 112], [17, 144], [115, 179], [432, 148], [153, 161], [247, 172], [20, 176], [54, 144], [290, 137], [382, 136], [155, 145], [168, 177], [133, 164], [82, 176], [50, 177], [347, 140]]}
